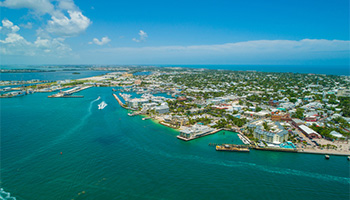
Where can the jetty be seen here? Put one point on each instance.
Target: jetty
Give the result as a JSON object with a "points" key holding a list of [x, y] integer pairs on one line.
{"points": [[67, 96], [120, 102], [232, 147], [68, 93]]}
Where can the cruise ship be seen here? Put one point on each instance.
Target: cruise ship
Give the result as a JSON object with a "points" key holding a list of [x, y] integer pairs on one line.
{"points": [[102, 105]]}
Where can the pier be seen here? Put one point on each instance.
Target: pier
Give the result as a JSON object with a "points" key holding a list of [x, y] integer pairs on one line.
{"points": [[120, 102], [244, 139], [232, 147], [69, 96], [198, 136], [69, 92]]}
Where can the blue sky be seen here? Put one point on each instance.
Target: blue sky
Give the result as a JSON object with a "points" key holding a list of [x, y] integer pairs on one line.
{"points": [[289, 32]]}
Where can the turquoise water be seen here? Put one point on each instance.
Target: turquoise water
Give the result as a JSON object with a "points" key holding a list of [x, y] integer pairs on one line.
{"points": [[109, 155]]}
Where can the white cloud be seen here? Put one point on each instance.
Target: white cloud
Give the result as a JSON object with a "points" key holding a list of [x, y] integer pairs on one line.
{"points": [[28, 25], [103, 41], [8, 27], [72, 26], [38, 6], [249, 52], [15, 44], [13, 38], [66, 18], [7, 23], [67, 5], [143, 35]]}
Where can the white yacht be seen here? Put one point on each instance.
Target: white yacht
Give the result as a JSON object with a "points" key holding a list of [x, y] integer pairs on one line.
{"points": [[102, 105]]}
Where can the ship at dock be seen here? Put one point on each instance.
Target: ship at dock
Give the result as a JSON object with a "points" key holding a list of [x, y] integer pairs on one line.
{"points": [[228, 147]]}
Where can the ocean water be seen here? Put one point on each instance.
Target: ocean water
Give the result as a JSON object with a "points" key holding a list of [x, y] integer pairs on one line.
{"points": [[49, 76], [109, 155]]}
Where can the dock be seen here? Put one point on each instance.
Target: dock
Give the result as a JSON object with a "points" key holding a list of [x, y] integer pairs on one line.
{"points": [[188, 139], [232, 147], [69, 96], [275, 149], [68, 93]]}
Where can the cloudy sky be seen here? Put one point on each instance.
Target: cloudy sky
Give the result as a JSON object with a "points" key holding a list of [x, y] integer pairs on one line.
{"points": [[290, 32]]}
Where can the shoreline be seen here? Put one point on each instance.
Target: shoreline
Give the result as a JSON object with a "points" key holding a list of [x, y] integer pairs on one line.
{"points": [[324, 152]]}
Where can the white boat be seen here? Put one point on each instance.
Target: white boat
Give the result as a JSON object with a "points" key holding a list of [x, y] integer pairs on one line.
{"points": [[102, 105], [98, 98]]}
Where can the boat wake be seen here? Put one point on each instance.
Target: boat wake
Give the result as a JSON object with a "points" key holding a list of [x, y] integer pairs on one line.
{"points": [[269, 169], [6, 195], [59, 138]]}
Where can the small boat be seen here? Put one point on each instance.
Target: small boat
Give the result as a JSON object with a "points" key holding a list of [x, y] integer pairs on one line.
{"points": [[348, 157], [98, 98], [326, 157], [102, 105]]}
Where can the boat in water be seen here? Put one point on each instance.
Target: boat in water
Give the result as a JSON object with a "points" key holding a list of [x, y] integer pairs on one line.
{"points": [[102, 105]]}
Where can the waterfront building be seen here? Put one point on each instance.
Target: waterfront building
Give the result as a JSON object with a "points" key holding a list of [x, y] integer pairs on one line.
{"points": [[276, 135], [135, 103], [196, 130]]}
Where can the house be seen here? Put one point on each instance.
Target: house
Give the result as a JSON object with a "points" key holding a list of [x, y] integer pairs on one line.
{"points": [[273, 102]]}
